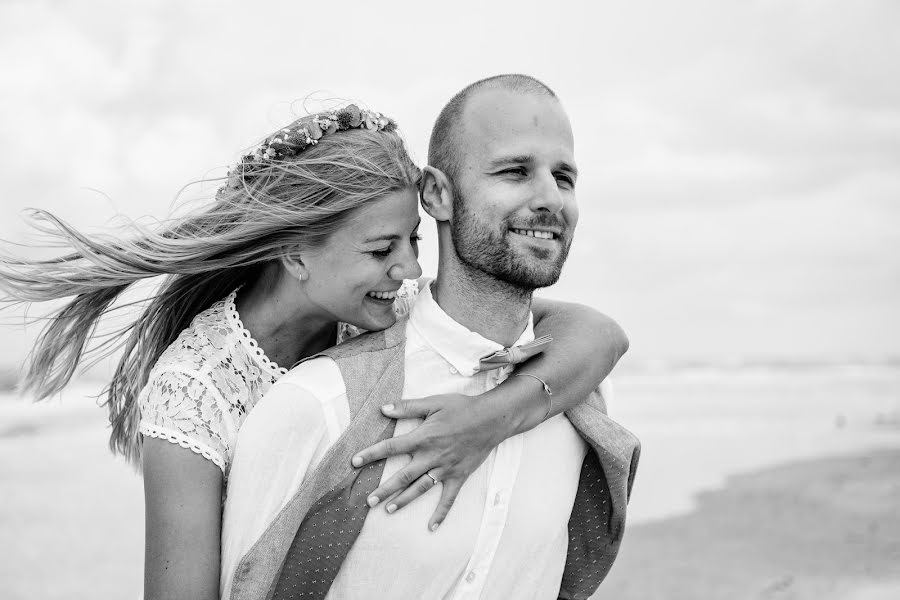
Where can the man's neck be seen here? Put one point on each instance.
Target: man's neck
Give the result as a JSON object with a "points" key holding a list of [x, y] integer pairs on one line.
{"points": [[489, 307]]}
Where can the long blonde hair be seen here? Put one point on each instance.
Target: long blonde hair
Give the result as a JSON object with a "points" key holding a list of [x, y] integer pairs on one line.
{"points": [[267, 205]]}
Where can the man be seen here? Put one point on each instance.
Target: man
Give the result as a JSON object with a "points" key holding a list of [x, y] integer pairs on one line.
{"points": [[506, 214]]}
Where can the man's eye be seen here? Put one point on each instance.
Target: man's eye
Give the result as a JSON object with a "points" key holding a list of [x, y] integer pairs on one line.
{"points": [[567, 179], [514, 171]]}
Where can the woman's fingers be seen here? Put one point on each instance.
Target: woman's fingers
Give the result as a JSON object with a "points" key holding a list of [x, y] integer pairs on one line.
{"points": [[402, 444], [449, 492], [415, 408], [407, 477], [419, 487]]}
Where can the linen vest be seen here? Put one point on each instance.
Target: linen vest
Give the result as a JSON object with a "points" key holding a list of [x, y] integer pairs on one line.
{"points": [[372, 366]]}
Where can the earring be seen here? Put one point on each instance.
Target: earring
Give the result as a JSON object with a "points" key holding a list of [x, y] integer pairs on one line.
{"points": [[303, 276]]}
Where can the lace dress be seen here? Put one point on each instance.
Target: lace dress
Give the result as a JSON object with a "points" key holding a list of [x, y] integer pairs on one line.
{"points": [[207, 381]]}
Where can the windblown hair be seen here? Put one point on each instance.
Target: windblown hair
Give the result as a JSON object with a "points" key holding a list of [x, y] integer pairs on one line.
{"points": [[272, 206]]}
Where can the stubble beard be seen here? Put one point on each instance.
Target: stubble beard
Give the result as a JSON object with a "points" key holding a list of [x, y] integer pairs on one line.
{"points": [[487, 249]]}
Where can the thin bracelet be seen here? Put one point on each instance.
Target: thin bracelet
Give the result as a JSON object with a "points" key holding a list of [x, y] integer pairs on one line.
{"points": [[546, 389]]}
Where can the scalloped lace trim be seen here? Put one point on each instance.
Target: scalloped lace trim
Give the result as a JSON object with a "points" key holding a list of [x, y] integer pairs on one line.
{"points": [[176, 437], [247, 339]]}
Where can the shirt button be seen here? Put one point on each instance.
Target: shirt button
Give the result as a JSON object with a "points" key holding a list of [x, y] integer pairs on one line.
{"points": [[470, 577], [453, 370], [497, 499]]}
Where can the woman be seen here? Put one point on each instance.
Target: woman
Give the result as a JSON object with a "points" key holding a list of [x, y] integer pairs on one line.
{"points": [[238, 301]]}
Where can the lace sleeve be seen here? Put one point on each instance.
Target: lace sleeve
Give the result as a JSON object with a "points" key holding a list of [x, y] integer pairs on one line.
{"points": [[183, 409]]}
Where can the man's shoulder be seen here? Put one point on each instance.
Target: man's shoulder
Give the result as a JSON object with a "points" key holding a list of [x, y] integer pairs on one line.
{"points": [[373, 341], [316, 375], [294, 400]]}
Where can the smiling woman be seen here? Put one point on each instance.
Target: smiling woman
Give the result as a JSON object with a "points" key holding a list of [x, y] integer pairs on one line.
{"points": [[355, 275], [311, 236]]}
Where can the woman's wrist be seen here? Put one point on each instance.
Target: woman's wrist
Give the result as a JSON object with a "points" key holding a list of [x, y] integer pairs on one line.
{"points": [[519, 404]]}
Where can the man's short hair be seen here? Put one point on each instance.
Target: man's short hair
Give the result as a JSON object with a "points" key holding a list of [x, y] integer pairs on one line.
{"points": [[443, 148]]}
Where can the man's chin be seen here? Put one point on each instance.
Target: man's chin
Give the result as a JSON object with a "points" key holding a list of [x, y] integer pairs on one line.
{"points": [[531, 278]]}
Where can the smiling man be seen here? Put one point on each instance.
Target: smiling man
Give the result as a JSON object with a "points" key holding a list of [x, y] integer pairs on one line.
{"points": [[544, 514]]}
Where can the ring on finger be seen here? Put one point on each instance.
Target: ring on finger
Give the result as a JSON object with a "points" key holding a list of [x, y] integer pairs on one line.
{"points": [[433, 478]]}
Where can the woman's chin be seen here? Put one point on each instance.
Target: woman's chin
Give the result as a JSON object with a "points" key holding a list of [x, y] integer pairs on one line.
{"points": [[376, 320]]}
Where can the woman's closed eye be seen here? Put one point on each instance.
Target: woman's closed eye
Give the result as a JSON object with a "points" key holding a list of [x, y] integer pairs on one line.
{"points": [[385, 252]]}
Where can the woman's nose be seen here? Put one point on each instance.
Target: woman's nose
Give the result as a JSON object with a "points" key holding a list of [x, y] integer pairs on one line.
{"points": [[407, 267]]}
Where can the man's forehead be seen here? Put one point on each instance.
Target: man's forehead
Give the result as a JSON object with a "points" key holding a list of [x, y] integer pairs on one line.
{"points": [[500, 121]]}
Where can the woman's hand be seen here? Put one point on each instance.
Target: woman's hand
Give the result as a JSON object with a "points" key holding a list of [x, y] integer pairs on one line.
{"points": [[454, 439]]}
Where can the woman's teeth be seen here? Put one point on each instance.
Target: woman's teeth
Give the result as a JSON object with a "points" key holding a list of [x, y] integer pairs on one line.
{"points": [[383, 295], [544, 235]]}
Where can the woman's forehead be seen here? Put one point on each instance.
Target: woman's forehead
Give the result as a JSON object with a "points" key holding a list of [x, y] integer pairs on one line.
{"points": [[391, 216]]}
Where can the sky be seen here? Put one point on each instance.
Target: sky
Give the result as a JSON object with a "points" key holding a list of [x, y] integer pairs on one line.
{"points": [[739, 161]]}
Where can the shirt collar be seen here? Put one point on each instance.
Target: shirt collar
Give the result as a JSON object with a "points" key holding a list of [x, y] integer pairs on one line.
{"points": [[458, 345]]}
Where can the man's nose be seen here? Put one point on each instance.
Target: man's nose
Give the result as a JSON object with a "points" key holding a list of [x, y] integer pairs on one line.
{"points": [[407, 267], [547, 196]]}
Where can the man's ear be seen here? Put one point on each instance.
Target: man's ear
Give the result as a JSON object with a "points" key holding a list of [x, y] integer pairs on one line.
{"points": [[293, 263], [437, 194]]}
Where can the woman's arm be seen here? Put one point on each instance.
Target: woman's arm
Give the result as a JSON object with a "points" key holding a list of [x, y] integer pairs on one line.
{"points": [[183, 511], [460, 431], [586, 346]]}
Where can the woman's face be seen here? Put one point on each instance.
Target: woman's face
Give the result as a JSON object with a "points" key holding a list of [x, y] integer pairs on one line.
{"points": [[355, 275]]}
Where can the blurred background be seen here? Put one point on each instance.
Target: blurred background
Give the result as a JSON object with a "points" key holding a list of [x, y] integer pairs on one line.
{"points": [[740, 217]]}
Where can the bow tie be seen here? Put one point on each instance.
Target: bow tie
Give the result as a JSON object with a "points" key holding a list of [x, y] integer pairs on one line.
{"points": [[514, 354]]}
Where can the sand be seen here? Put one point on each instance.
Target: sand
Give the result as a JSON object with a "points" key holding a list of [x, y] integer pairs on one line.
{"points": [[750, 486]]}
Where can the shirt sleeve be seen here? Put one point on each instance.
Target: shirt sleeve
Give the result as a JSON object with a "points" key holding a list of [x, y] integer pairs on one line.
{"points": [[283, 438], [181, 408]]}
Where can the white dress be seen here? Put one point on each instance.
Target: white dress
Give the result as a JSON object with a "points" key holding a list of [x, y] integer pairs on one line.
{"points": [[206, 382]]}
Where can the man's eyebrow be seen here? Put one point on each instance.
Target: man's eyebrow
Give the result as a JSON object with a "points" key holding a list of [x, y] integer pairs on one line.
{"points": [[507, 160], [391, 237]]}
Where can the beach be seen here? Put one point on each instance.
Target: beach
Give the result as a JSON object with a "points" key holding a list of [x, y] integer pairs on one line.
{"points": [[779, 484]]}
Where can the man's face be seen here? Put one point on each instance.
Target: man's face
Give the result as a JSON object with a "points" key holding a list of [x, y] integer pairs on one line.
{"points": [[514, 211]]}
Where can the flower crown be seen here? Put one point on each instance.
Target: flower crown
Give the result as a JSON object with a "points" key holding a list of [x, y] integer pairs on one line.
{"points": [[306, 132]]}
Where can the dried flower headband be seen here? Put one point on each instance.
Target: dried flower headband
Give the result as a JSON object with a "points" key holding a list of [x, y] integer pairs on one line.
{"points": [[309, 130], [306, 132]]}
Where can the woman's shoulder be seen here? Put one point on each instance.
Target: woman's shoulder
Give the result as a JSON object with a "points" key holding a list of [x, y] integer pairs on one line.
{"points": [[216, 339], [204, 341], [204, 384]]}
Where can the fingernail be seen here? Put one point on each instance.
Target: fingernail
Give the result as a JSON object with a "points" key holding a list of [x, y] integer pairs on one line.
{"points": [[387, 408], [391, 508], [357, 461], [435, 526], [372, 501]]}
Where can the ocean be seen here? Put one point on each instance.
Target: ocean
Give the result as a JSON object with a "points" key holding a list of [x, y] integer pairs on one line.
{"points": [[71, 519]]}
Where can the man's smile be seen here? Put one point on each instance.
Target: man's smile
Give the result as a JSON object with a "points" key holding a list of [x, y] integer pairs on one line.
{"points": [[541, 234]]}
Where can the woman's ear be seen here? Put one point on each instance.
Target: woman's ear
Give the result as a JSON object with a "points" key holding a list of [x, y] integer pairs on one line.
{"points": [[437, 194], [293, 263]]}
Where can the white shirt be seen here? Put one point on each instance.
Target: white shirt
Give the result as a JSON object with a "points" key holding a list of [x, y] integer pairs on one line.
{"points": [[506, 535]]}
